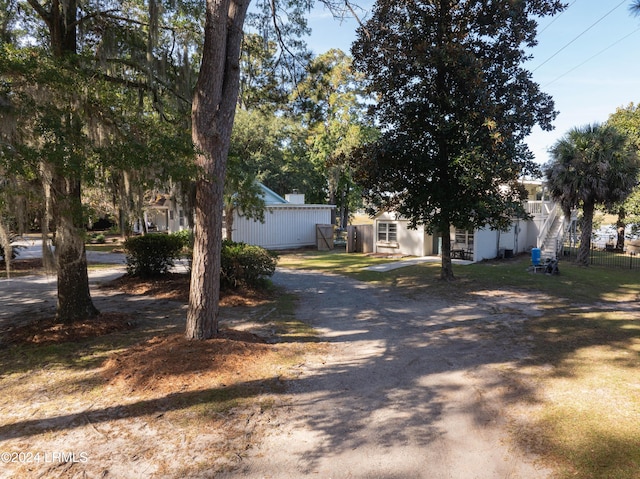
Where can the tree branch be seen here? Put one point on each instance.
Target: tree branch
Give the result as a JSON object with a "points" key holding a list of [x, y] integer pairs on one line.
{"points": [[46, 16]]}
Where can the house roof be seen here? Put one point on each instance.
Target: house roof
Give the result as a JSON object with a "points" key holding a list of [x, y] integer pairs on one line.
{"points": [[271, 197]]}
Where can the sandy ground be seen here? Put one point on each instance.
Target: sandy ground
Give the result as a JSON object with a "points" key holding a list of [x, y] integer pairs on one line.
{"points": [[411, 389]]}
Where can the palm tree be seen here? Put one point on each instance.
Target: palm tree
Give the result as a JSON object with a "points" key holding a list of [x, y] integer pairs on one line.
{"points": [[591, 165], [635, 7]]}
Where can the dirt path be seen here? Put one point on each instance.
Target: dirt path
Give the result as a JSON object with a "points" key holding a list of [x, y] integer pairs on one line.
{"points": [[412, 388]]}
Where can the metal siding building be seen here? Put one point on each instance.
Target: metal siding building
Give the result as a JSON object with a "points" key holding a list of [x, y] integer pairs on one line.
{"points": [[288, 223], [285, 226]]}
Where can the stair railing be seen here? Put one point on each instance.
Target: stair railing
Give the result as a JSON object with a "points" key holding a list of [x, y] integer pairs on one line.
{"points": [[544, 230]]}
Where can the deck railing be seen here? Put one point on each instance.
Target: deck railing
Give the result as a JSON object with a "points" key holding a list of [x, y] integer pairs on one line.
{"points": [[539, 208]]}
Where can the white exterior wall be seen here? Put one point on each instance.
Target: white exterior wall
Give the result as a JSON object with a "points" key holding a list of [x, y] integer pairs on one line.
{"points": [[523, 237], [410, 242], [485, 244], [285, 226]]}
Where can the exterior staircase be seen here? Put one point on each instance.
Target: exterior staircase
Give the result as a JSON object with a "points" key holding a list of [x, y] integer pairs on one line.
{"points": [[551, 243]]}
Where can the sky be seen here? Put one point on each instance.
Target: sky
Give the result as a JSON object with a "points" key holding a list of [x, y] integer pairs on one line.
{"points": [[587, 59]]}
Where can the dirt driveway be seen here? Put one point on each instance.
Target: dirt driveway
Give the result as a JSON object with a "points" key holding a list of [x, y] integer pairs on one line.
{"points": [[412, 388]]}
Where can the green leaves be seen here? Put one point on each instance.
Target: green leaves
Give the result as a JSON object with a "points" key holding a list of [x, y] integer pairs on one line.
{"points": [[455, 105]]}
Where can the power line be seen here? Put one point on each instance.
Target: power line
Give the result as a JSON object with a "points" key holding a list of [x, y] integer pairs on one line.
{"points": [[556, 17], [585, 31], [591, 57]]}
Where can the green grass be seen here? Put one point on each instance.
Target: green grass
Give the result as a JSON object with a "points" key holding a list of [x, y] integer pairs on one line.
{"points": [[575, 283], [330, 262]]}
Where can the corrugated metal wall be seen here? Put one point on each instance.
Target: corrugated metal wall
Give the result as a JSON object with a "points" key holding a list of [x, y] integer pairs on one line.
{"points": [[285, 226]]}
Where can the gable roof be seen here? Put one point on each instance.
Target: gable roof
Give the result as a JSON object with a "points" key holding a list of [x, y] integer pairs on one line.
{"points": [[271, 197]]}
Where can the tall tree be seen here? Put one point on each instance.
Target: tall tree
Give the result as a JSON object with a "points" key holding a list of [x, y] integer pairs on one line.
{"points": [[627, 121], [63, 143], [332, 104], [213, 112], [455, 105], [252, 140], [591, 165]]}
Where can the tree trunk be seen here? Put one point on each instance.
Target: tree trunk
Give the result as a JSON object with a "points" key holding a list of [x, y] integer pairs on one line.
{"points": [[621, 225], [213, 113], [345, 202], [585, 235], [228, 223], [74, 298], [446, 272]]}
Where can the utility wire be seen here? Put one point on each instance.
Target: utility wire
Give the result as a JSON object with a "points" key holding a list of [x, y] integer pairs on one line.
{"points": [[556, 17], [591, 57], [585, 31]]}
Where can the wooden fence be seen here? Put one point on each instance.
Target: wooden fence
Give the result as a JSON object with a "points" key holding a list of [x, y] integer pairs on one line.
{"points": [[360, 239]]}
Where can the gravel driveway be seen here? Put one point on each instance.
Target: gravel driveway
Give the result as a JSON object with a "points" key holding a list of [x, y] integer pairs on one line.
{"points": [[411, 388]]}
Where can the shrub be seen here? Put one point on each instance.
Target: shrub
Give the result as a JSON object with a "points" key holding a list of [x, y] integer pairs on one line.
{"points": [[152, 254], [244, 264]]}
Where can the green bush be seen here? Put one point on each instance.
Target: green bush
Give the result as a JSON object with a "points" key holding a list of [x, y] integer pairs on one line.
{"points": [[152, 254], [243, 264]]}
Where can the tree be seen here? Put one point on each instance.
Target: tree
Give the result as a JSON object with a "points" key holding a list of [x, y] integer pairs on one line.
{"points": [[591, 165], [213, 113], [455, 105], [250, 141], [332, 104], [83, 89], [627, 121], [59, 139]]}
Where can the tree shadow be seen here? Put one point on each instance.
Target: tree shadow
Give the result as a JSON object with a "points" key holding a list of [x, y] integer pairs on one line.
{"points": [[166, 403], [416, 374]]}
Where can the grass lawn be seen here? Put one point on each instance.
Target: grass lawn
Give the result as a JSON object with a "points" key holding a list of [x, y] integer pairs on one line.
{"points": [[582, 414]]}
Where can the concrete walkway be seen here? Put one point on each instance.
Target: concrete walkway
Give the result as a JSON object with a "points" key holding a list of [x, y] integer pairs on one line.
{"points": [[381, 268]]}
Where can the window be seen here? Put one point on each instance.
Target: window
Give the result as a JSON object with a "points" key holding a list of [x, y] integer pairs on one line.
{"points": [[387, 232], [464, 237], [181, 217]]}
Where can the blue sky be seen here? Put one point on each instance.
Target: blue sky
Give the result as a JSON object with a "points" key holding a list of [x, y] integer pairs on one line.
{"points": [[587, 59]]}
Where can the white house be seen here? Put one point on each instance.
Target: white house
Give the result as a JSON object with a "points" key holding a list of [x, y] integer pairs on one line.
{"points": [[288, 222], [544, 230]]}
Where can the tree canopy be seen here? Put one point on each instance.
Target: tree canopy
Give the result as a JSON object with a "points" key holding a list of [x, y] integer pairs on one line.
{"points": [[92, 95], [455, 104], [332, 105], [627, 121], [591, 165]]}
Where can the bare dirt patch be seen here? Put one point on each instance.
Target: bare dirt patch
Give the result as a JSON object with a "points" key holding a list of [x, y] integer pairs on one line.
{"points": [[161, 406]]}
